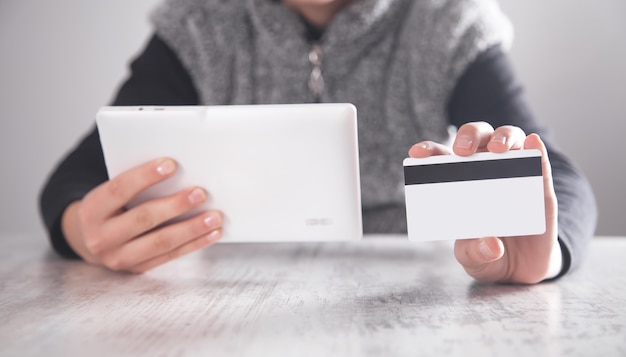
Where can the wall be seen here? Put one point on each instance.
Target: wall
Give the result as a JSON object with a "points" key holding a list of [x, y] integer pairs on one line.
{"points": [[61, 60], [571, 55]]}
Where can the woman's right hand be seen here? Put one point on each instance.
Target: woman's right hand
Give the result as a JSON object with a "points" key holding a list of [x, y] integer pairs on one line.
{"points": [[103, 232]]}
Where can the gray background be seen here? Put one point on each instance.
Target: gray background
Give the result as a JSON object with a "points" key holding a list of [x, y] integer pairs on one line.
{"points": [[61, 60]]}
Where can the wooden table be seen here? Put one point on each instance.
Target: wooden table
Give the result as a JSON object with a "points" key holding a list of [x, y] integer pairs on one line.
{"points": [[382, 296]]}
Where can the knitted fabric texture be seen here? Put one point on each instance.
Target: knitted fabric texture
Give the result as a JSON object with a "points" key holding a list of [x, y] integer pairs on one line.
{"points": [[397, 61]]}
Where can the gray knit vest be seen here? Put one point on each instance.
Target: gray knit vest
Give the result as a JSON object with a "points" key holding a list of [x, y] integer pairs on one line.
{"points": [[397, 61]]}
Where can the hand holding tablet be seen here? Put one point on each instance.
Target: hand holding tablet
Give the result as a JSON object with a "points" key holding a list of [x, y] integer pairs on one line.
{"points": [[277, 172]]}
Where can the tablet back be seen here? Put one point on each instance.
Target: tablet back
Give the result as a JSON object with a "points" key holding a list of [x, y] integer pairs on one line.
{"points": [[277, 172]]}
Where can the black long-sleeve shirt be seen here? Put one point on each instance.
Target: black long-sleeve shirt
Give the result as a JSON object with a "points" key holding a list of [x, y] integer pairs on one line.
{"points": [[487, 91]]}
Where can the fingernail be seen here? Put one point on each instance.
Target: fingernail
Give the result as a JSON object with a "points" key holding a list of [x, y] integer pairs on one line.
{"points": [[212, 221], [486, 251], [166, 167], [214, 235], [499, 138], [464, 142], [197, 195], [424, 145]]}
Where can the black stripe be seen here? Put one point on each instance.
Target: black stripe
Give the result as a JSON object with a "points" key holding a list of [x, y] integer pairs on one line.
{"points": [[473, 170]]}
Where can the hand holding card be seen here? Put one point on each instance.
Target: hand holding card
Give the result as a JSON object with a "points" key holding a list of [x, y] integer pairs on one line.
{"points": [[522, 258]]}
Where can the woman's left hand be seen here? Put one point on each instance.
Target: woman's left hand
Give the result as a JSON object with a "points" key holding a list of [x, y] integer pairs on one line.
{"points": [[526, 259]]}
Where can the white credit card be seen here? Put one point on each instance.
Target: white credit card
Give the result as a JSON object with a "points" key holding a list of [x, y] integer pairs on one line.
{"points": [[483, 195]]}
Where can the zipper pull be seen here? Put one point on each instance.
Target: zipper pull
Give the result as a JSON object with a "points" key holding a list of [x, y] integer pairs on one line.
{"points": [[316, 80]]}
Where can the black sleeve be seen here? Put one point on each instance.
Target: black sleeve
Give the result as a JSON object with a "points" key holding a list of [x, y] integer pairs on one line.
{"points": [[157, 78], [489, 91]]}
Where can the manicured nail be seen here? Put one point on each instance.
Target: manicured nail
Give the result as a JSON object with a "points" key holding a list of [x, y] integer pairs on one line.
{"points": [[464, 142], [499, 138], [486, 251], [214, 235], [197, 195], [166, 167], [212, 221], [424, 145]]}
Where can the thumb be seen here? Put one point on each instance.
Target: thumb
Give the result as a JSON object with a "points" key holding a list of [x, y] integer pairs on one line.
{"points": [[482, 258]]}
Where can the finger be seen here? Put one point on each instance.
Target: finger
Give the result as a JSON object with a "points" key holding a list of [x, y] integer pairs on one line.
{"points": [[428, 148], [114, 194], [506, 138], [150, 214], [472, 138], [533, 141], [482, 258], [162, 241], [198, 243]]}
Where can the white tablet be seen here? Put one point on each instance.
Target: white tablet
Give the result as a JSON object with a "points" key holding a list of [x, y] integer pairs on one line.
{"points": [[277, 172]]}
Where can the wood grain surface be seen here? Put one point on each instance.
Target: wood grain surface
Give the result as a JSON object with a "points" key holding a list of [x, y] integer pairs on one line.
{"points": [[383, 296]]}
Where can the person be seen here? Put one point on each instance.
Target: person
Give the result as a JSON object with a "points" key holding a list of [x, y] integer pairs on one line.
{"points": [[413, 68]]}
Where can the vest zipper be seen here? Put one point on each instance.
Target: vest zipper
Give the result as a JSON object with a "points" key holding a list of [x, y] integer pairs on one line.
{"points": [[316, 80]]}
